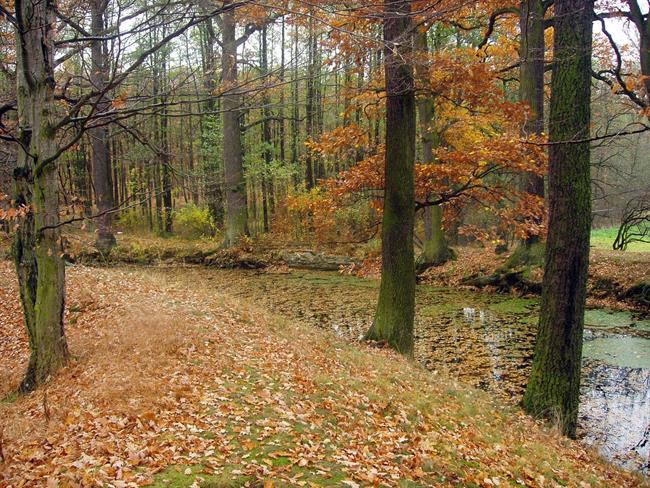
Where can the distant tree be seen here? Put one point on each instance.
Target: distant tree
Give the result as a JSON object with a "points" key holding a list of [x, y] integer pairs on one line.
{"points": [[101, 157], [235, 188], [531, 93], [435, 248]]}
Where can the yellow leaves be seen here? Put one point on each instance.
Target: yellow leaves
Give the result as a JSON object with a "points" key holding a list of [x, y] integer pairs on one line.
{"points": [[120, 100]]}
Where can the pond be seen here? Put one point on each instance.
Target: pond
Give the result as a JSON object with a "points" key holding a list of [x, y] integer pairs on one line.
{"points": [[485, 340]]}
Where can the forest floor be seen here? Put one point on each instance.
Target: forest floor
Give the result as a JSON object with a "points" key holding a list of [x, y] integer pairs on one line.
{"points": [[173, 382]]}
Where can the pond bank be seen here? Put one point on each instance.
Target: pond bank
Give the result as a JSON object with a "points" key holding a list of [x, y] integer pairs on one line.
{"points": [[485, 341], [615, 278]]}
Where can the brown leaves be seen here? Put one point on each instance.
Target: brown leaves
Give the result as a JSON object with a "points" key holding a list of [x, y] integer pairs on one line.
{"points": [[171, 372]]}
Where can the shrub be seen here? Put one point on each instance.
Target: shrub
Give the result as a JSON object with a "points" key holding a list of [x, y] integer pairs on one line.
{"points": [[131, 221], [192, 222]]}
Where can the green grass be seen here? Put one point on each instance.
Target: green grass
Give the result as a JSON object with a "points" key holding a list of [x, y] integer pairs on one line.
{"points": [[10, 398], [185, 476], [604, 239]]}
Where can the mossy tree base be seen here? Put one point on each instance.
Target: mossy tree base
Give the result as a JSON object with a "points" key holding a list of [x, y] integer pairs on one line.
{"points": [[433, 258], [527, 255], [105, 242]]}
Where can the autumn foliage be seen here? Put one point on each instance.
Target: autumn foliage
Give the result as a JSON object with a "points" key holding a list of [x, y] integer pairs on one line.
{"points": [[480, 155]]}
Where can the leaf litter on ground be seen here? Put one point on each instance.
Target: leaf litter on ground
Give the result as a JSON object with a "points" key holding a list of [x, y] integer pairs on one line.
{"points": [[171, 378]]}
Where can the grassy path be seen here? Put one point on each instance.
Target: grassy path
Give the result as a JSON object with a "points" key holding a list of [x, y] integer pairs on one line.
{"points": [[176, 384]]}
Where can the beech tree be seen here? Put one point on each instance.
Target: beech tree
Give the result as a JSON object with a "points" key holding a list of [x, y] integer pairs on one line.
{"points": [[554, 385], [435, 249], [393, 321]]}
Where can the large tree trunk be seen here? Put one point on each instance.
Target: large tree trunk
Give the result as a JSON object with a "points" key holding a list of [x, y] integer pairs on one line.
{"points": [[101, 160], [37, 247], [435, 249], [236, 209], [395, 310], [554, 384]]}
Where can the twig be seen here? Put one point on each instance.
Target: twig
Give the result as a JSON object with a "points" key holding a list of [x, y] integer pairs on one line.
{"points": [[2, 453]]}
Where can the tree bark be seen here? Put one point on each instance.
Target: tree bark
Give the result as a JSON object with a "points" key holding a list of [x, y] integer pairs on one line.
{"points": [[236, 208], [101, 158], [166, 169], [436, 250], [310, 103], [37, 246], [554, 384], [213, 169], [395, 310], [267, 141], [530, 252]]}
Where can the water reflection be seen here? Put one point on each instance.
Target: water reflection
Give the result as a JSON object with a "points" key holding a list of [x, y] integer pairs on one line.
{"points": [[615, 413], [615, 397]]}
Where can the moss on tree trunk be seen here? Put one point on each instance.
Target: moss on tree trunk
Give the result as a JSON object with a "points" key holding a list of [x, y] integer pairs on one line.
{"points": [[396, 307], [37, 246], [531, 92], [435, 250], [554, 384]]}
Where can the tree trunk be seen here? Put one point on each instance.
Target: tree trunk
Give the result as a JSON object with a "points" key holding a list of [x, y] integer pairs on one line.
{"points": [[310, 178], [101, 159], [37, 247], [295, 114], [435, 251], [213, 170], [165, 161], [281, 128], [554, 384], [266, 133], [531, 93], [236, 210], [395, 310]]}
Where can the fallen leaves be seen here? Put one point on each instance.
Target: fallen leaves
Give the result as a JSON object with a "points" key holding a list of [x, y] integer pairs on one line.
{"points": [[169, 371]]}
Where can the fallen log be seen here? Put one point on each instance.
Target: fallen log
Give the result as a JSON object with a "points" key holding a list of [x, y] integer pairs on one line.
{"points": [[504, 282]]}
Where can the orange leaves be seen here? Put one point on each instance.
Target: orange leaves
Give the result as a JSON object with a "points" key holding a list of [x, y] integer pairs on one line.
{"points": [[343, 141], [120, 100], [11, 213]]}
